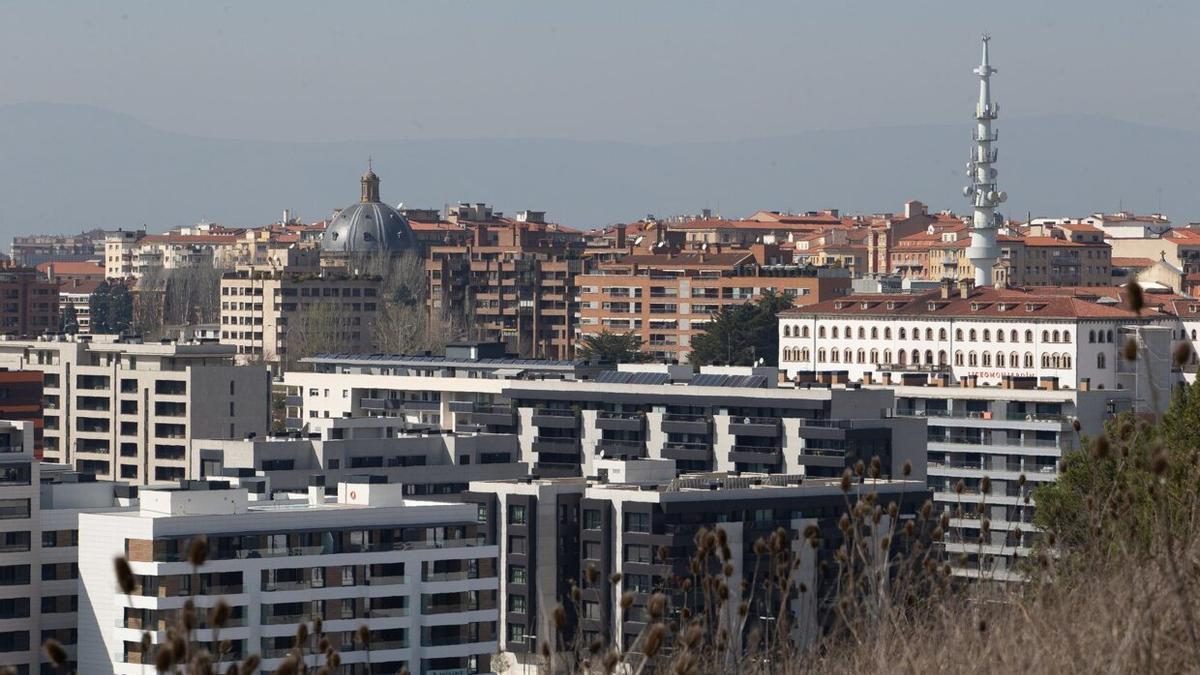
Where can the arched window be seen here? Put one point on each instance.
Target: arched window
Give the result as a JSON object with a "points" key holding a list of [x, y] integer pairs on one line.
{"points": [[916, 357], [1100, 360], [862, 356], [1109, 337], [1028, 359], [1066, 361], [787, 330], [987, 359], [929, 334], [1193, 333], [972, 359], [902, 334], [821, 332], [804, 331], [862, 333], [958, 358], [1012, 336], [1066, 336], [999, 336], [833, 332], [1092, 336], [1055, 336], [987, 335], [902, 356], [929, 357], [874, 333], [887, 333], [804, 354], [849, 356], [958, 334], [941, 357], [972, 335], [887, 356], [1045, 336], [999, 359], [821, 356], [875, 356], [941, 333], [1029, 336], [1045, 360]]}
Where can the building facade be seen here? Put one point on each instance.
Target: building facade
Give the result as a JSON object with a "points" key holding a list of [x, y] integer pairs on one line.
{"points": [[128, 411], [414, 573]]}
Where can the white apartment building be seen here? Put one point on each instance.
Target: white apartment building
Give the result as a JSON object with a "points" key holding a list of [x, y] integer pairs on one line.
{"points": [[1070, 337], [126, 410], [39, 510], [415, 573], [731, 419]]}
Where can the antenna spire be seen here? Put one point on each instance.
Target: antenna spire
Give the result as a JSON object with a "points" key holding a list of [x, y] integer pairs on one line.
{"points": [[983, 251]]}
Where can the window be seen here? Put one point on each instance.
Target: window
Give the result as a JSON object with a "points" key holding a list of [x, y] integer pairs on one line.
{"points": [[1012, 336], [958, 334], [887, 333], [591, 550], [638, 522], [929, 334], [15, 575], [591, 519], [1028, 359], [14, 508], [821, 332], [804, 331], [999, 359], [941, 333], [16, 608], [902, 334], [972, 335], [638, 553], [516, 604], [987, 335], [516, 633], [14, 641], [1100, 360], [516, 574], [862, 333], [972, 359], [787, 330], [516, 545], [874, 333], [833, 332], [516, 514]]}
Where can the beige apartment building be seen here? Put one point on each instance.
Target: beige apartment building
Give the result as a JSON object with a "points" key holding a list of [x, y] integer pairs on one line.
{"points": [[667, 297], [126, 410], [260, 305]]}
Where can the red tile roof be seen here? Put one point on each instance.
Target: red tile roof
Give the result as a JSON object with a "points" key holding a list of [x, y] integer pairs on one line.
{"points": [[73, 268]]}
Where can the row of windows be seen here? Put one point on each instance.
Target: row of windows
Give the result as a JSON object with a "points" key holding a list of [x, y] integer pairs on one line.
{"points": [[959, 334], [915, 357]]}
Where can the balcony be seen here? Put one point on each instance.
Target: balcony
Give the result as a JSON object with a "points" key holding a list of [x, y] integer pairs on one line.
{"points": [[612, 447], [687, 451], [555, 444], [554, 418], [620, 421], [679, 423], [380, 403], [750, 454], [292, 400], [754, 426]]}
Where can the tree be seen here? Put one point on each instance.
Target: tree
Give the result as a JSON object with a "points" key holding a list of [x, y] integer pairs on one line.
{"points": [[608, 347], [98, 308], [740, 335], [69, 321], [120, 309]]}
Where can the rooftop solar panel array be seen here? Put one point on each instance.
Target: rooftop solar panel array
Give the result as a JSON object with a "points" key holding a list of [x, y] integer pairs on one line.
{"points": [[621, 377]]}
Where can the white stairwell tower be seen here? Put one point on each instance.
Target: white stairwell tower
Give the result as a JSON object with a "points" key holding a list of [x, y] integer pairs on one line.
{"points": [[983, 251]]}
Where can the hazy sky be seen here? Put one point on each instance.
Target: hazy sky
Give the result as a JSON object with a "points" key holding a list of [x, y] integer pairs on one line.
{"points": [[644, 71]]}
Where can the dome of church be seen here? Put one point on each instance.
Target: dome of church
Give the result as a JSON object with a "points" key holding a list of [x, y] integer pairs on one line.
{"points": [[368, 226]]}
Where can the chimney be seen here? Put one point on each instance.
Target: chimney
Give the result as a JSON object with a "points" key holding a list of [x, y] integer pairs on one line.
{"points": [[620, 235], [947, 286], [965, 286], [316, 489]]}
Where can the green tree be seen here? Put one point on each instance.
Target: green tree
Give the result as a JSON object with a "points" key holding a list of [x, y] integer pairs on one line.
{"points": [[609, 347], [98, 309], [120, 308], [740, 335], [69, 321]]}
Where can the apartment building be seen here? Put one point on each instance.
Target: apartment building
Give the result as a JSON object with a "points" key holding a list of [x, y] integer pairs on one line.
{"points": [[127, 410], [35, 249], [1016, 435], [39, 509], [551, 531], [21, 401], [1179, 247], [516, 276], [28, 303], [666, 298], [428, 463], [261, 306], [1071, 337], [723, 419], [415, 573]]}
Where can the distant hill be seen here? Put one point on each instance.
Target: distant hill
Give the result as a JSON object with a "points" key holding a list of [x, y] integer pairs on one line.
{"points": [[64, 168]]}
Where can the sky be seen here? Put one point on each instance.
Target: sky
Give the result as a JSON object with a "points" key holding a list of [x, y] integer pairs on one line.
{"points": [[641, 72]]}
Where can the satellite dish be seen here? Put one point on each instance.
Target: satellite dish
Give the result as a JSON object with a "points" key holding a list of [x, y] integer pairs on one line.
{"points": [[968, 190]]}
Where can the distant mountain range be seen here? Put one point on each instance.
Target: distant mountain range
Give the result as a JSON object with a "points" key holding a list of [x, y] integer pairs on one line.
{"points": [[64, 168]]}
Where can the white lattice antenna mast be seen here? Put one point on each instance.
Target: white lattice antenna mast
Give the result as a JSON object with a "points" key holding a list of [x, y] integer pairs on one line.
{"points": [[983, 251]]}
